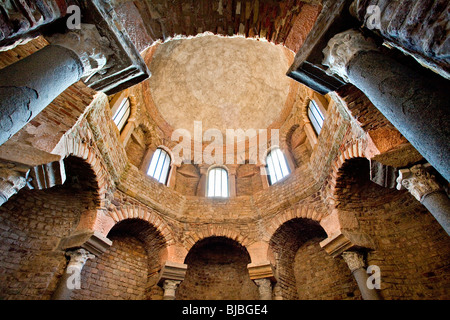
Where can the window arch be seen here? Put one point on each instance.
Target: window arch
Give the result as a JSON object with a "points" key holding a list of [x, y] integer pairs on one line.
{"points": [[315, 116], [160, 166], [122, 114], [276, 165], [217, 183]]}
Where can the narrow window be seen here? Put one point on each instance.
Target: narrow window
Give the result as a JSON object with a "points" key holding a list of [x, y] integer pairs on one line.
{"points": [[315, 116], [217, 183], [159, 166], [122, 114], [276, 166]]}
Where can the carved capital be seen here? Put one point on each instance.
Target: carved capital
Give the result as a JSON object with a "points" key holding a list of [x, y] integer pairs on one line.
{"points": [[91, 48], [264, 270], [354, 260], [172, 271], [170, 288], [342, 48], [418, 181], [78, 258]]}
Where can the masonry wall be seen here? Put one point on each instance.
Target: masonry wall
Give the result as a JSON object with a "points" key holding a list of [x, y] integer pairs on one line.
{"points": [[412, 249], [217, 270], [118, 274], [318, 276], [31, 225]]}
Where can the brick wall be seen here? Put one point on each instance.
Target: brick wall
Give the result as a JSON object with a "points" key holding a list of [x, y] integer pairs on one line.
{"points": [[118, 274], [31, 225], [319, 276], [412, 249], [217, 270]]}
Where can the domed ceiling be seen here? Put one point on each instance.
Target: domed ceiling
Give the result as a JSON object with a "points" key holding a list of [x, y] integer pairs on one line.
{"points": [[226, 83]]}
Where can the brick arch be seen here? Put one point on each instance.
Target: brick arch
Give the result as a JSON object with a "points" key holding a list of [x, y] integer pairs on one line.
{"points": [[124, 212], [216, 231], [354, 150], [296, 211], [80, 147]]}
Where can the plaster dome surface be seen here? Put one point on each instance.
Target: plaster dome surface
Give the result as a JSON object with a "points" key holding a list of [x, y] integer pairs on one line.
{"points": [[226, 83]]}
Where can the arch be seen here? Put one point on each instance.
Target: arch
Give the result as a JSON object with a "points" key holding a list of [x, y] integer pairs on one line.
{"points": [[354, 150], [296, 211], [118, 214], [81, 147], [217, 269], [215, 167], [160, 167], [286, 241], [215, 231]]}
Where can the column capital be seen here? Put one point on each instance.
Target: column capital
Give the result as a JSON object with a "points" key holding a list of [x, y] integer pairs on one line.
{"points": [[354, 260], [172, 271], [418, 181], [79, 257], [263, 270], [343, 47], [91, 48]]}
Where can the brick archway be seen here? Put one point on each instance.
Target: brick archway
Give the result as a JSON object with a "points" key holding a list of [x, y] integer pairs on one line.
{"points": [[215, 231], [124, 212]]}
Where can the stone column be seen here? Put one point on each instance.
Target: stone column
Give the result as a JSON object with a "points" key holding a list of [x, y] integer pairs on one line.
{"points": [[355, 262], [71, 278], [29, 85], [172, 274], [232, 179], [201, 189], [417, 105], [170, 287], [424, 187], [263, 274], [265, 288]]}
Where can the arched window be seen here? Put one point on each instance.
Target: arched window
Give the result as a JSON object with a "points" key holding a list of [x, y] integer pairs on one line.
{"points": [[122, 114], [276, 166], [315, 116], [217, 183], [159, 166]]}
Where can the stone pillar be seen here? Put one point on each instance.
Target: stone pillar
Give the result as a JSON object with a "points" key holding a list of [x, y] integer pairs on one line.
{"points": [[172, 274], [71, 278], [415, 104], [355, 262], [232, 179], [172, 180], [265, 288], [170, 287], [29, 85], [201, 189], [424, 187], [263, 275]]}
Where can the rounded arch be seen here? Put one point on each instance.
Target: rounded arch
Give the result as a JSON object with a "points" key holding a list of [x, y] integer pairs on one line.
{"points": [[81, 147], [353, 150], [124, 212], [296, 211], [217, 269], [215, 231], [285, 243]]}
